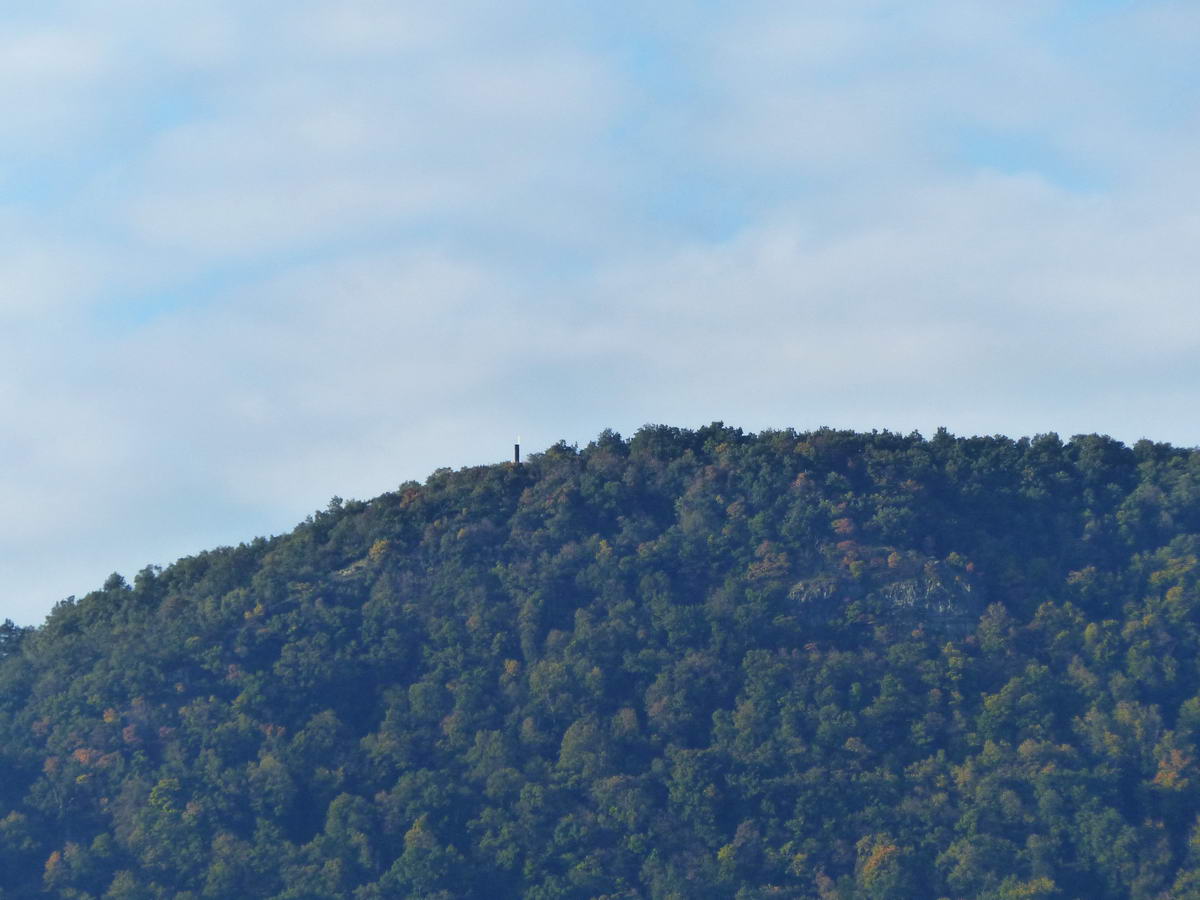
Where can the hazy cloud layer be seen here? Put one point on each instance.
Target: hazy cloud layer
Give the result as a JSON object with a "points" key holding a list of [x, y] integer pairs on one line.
{"points": [[255, 255]]}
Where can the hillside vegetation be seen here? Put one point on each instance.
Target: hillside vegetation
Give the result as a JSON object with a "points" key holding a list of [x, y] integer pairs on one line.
{"points": [[691, 664]]}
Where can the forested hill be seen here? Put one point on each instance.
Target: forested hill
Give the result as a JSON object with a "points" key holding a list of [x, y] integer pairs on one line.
{"points": [[691, 664]]}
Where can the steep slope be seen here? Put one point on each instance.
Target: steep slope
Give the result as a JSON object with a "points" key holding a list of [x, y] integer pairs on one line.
{"points": [[690, 664]]}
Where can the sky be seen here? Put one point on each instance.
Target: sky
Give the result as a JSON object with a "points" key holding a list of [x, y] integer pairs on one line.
{"points": [[256, 255]]}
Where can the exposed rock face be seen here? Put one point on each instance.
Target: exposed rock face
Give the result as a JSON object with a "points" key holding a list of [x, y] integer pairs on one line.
{"points": [[935, 594]]}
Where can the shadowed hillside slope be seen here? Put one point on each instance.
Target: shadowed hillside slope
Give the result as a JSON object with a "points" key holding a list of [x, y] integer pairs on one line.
{"points": [[691, 664]]}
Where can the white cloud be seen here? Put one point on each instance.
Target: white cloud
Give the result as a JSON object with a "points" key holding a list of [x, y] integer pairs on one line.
{"points": [[36, 56], [257, 255], [993, 291], [42, 279], [49, 80]]}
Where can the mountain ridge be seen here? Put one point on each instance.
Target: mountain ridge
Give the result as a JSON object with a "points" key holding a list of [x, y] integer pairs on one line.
{"points": [[691, 663]]}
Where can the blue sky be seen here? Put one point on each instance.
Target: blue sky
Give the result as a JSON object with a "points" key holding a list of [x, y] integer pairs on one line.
{"points": [[256, 255]]}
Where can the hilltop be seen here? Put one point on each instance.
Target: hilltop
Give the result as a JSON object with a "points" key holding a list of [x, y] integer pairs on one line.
{"points": [[688, 664]]}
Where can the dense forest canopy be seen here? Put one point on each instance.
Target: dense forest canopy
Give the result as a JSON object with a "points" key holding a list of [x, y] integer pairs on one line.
{"points": [[691, 664]]}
